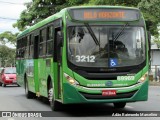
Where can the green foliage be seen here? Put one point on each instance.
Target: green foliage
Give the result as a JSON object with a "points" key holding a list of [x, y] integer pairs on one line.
{"points": [[151, 10], [8, 37], [157, 42], [76, 2], [7, 56], [115, 2]]}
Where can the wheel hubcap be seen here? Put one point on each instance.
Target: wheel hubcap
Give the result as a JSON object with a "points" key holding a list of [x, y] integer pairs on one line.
{"points": [[50, 94]]}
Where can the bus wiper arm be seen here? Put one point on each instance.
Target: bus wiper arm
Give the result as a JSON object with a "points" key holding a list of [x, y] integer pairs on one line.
{"points": [[92, 34], [121, 31]]}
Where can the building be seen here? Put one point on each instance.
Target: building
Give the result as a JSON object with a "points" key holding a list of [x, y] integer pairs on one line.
{"points": [[155, 61]]}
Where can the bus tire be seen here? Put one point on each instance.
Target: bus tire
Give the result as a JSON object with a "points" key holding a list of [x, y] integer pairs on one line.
{"points": [[119, 104], [28, 93], [55, 105]]}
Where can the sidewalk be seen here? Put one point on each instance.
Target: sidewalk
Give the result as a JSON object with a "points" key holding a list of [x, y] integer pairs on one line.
{"points": [[154, 83]]}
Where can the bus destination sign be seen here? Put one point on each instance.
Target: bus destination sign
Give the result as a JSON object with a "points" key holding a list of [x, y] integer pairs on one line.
{"points": [[94, 14], [105, 15]]}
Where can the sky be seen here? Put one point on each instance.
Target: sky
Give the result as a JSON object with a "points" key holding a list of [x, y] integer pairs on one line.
{"points": [[11, 10]]}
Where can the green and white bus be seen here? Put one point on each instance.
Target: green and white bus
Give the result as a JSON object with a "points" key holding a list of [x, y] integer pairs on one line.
{"points": [[86, 54]]}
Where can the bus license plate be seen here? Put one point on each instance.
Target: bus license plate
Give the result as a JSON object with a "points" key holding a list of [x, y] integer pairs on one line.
{"points": [[108, 92]]}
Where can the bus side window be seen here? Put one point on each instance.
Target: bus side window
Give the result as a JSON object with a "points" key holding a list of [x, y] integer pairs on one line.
{"points": [[27, 47], [50, 40], [20, 48], [31, 46], [18, 53], [42, 43], [23, 47], [59, 44]]}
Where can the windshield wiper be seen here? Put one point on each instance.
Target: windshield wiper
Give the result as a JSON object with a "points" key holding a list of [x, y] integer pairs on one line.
{"points": [[92, 34], [121, 31]]}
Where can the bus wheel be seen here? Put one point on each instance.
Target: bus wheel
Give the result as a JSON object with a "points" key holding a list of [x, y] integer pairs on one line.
{"points": [[55, 105], [28, 93], [120, 105]]}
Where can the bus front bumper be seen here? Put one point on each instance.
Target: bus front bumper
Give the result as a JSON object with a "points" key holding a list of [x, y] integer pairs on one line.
{"points": [[134, 93]]}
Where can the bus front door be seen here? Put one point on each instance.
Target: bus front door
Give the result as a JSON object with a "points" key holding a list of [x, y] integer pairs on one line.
{"points": [[57, 63], [36, 79]]}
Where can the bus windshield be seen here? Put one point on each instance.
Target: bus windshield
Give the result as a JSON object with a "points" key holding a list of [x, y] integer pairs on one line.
{"points": [[106, 46]]}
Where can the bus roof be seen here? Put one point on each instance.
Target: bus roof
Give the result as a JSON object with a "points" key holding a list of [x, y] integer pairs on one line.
{"points": [[61, 14], [103, 6]]}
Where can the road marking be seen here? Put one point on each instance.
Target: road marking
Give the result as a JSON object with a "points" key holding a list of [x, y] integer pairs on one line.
{"points": [[10, 119]]}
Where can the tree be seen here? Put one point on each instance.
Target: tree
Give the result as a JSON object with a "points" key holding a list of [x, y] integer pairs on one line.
{"points": [[151, 10], [7, 56], [133, 3], [8, 37]]}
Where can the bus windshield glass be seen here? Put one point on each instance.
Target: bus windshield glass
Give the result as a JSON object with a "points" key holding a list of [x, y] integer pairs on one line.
{"points": [[106, 46]]}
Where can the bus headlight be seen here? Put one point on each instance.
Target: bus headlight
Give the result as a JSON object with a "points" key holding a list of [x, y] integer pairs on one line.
{"points": [[71, 80], [143, 78]]}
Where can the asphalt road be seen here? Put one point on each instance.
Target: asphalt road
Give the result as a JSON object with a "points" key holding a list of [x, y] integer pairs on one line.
{"points": [[12, 98]]}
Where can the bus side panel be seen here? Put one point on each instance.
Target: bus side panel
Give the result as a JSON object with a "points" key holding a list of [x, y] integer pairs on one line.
{"points": [[49, 71], [20, 80], [42, 76], [30, 74], [55, 81], [36, 78]]}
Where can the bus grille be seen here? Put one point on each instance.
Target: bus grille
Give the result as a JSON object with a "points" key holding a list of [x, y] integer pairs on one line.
{"points": [[99, 96]]}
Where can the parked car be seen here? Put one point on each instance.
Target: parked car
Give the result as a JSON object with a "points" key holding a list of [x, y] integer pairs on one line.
{"points": [[8, 76]]}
